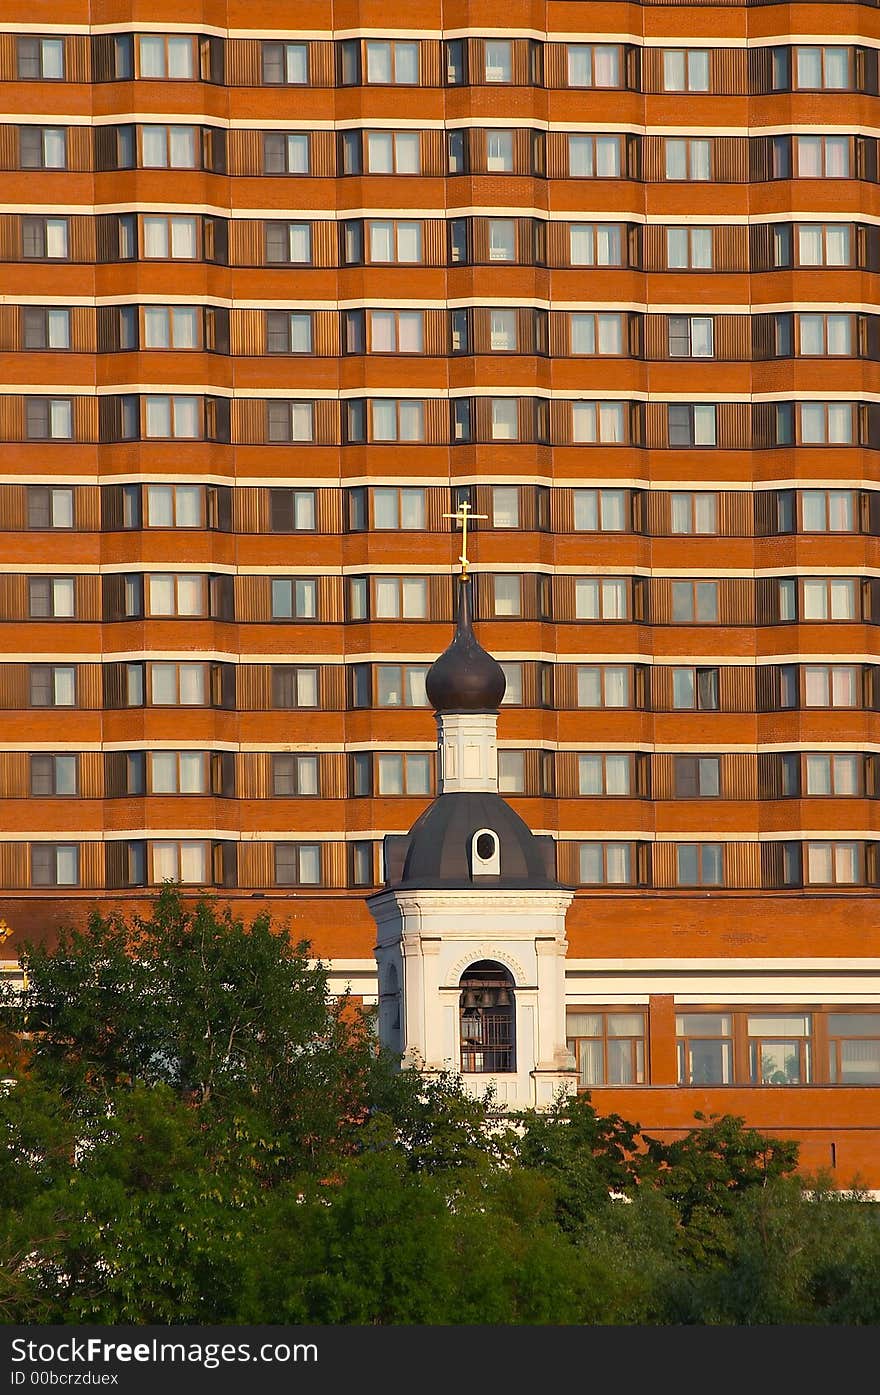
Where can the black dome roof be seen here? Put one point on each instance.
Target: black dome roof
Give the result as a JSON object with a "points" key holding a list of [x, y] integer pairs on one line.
{"points": [[465, 678], [437, 850]]}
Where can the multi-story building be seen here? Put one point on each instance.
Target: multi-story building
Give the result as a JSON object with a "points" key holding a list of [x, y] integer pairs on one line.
{"points": [[281, 288]]}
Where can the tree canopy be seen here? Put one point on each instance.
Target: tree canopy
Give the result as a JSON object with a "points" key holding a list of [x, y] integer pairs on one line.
{"points": [[195, 1131]]}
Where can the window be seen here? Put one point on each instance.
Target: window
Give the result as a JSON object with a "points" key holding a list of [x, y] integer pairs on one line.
{"points": [[830, 685], [685, 70], [691, 425], [498, 60], [603, 598], [51, 597], [294, 687], [289, 242], [44, 238], [178, 772], [602, 510], [823, 244], [45, 329], [401, 597], [487, 1019], [285, 152], [40, 59], [53, 685], [456, 62], [294, 598], [172, 417], [290, 421], [511, 772], [691, 336], [697, 777], [695, 602], [832, 774], [602, 685], [502, 240], [607, 1048], [403, 774], [457, 153], [292, 510], [689, 158], [393, 420], [174, 505], [503, 333], [401, 685], [289, 331], [605, 864], [505, 419], [396, 331], [598, 157], [506, 596], [608, 774], [395, 508], [165, 56], [174, 238], [592, 422], [54, 864], [53, 775], [853, 1048], [49, 507], [593, 65], [285, 64], [171, 327], [42, 147], [181, 594], [826, 67], [513, 677], [393, 152], [395, 242], [694, 513], [294, 774], [833, 864], [172, 147], [297, 864], [178, 685], [823, 336], [828, 600], [596, 333], [826, 423], [695, 689], [822, 157], [360, 864], [780, 1049], [595, 244], [392, 62], [499, 151], [48, 419], [505, 506], [699, 864], [185, 862], [705, 1048], [688, 248]]}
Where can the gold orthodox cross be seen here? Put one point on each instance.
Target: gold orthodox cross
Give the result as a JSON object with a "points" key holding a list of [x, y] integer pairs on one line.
{"points": [[462, 514]]}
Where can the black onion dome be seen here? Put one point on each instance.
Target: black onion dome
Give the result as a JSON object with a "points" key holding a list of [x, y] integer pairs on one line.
{"points": [[465, 678]]}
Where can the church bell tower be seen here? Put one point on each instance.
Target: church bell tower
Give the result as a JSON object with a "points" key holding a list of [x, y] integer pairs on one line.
{"points": [[471, 922]]}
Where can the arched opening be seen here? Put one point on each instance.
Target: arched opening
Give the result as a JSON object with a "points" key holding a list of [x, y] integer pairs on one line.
{"points": [[487, 1019]]}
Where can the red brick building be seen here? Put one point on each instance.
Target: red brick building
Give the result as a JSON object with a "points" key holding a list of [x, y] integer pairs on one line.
{"points": [[280, 289]]}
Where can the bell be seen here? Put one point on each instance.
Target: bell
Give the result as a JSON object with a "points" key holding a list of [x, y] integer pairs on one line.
{"points": [[503, 999], [487, 998], [470, 999]]}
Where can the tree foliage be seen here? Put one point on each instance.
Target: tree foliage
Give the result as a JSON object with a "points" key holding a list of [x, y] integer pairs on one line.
{"points": [[194, 1131]]}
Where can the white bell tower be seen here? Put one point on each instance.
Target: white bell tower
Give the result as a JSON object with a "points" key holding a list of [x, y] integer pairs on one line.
{"points": [[471, 923]]}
